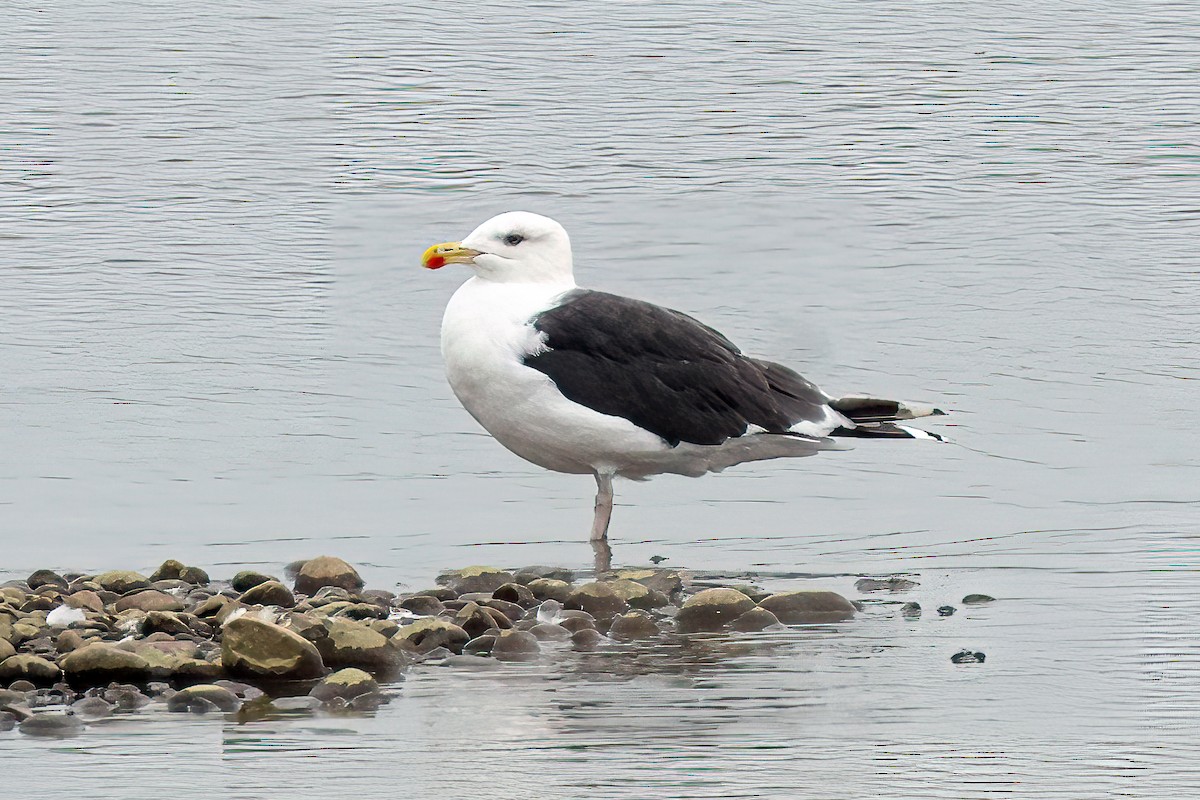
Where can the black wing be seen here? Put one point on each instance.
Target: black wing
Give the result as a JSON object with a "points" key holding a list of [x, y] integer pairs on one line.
{"points": [[665, 372]]}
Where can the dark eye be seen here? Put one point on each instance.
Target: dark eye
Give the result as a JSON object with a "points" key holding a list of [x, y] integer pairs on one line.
{"points": [[514, 239]]}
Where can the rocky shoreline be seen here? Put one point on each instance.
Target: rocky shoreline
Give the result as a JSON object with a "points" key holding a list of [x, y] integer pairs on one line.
{"points": [[77, 648]]}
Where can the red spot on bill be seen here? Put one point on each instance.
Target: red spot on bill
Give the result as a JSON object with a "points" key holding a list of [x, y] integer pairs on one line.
{"points": [[435, 262]]}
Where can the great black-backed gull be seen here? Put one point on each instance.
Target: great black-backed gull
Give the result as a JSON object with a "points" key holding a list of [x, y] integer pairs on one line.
{"points": [[587, 382]]}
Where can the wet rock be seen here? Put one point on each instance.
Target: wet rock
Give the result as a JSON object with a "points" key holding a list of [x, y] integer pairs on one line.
{"points": [[476, 619], [668, 582], [8, 721], [211, 606], [527, 575], [45, 577], [892, 584], [911, 610], [442, 593], [362, 611], [512, 611], [367, 701], [99, 663], [428, 633], [149, 600], [122, 581], [977, 599], [422, 604], [353, 644], [259, 649], [22, 685], [53, 726], [634, 625], [296, 705], [325, 571], [586, 639], [128, 698], [968, 657], [598, 599], [550, 632], [37, 671], [471, 662], [480, 645], [7, 650], [194, 576], [166, 622], [550, 589], [574, 624], [221, 698], [756, 619], [269, 593], [808, 606], [92, 708], [516, 593], [712, 609], [168, 570], [346, 684], [247, 579], [638, 595], [946, 611], [475, 579], [514, 645]]}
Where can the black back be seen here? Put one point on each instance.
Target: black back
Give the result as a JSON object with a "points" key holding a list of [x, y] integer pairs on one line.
{"points": [[665, 372]]}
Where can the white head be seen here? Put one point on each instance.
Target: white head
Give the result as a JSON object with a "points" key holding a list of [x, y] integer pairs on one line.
{"points": [[514, 247]]}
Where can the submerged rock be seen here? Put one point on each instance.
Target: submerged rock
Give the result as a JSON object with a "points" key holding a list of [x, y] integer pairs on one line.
{"points": [[808, 606], [55, 726], [911, 610], [260, 649], [756, 619], [968, 657], [711, 610], [346, 684], [977, 599], [946, 611], [598, 599], [634, 625], [431, 632], [221, 698], [514, 645], [892, 584]]}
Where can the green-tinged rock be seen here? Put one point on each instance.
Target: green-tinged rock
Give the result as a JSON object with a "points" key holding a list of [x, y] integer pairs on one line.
{"points": [[527, 575], [598, 599], [712, 609], [122, 581], [891, 584], [168, 570], [423, 605], [516, 593], [34, 669], [475, 579], [258, 649], [354, 644], [194, 576], [431, 632], [632, 626], [248, 579], [346, 684], [327, 571], [149, 600], [269, 593], [514, 645], [219, 696], [638, 595], [45, 577], [550, 589], [756, 619], [667, 581], [977, 599], [98, 663], [808, 606]]}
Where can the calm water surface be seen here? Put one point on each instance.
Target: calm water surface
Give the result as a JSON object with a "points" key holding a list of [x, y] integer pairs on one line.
{"points": [[216, 345]]}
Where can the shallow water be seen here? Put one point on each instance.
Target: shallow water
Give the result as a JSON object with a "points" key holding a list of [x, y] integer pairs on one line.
{"points": [[217, 346]]}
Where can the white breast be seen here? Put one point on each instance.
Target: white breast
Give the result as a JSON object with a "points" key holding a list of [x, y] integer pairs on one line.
{"points": [[486, 332]]}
